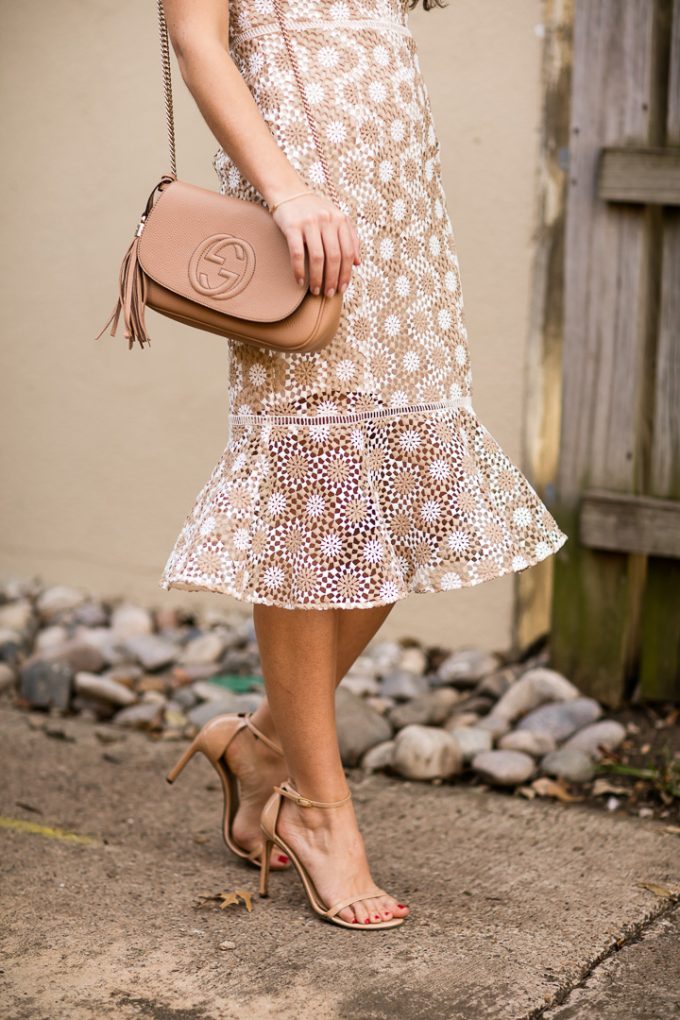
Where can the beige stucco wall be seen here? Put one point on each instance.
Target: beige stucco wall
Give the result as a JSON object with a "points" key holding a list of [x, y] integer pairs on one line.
{"points": [[105, 449]]}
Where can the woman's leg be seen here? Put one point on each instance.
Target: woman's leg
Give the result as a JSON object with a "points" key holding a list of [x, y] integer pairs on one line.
{"points": [[259, 768], [299, 650]]}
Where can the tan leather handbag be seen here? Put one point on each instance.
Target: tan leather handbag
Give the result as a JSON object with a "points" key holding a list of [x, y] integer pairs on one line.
{"points": [[217, 262]]}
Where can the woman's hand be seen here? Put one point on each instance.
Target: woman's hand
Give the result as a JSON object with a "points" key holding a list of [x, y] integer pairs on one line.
{"points": [[316, 223]]}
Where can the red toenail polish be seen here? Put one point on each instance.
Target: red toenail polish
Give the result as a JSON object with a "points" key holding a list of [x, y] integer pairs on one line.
{"points": [[402, 905], [367, 921], [376, 917], [354, 920], [283, 858]]}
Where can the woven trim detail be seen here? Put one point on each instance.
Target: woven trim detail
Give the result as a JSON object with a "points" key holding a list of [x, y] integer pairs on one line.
{"points": [[454, 403], [381, 24]]}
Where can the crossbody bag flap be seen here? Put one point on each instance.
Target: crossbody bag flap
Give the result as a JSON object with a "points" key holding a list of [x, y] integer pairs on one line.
{"points": [[219, 251]]}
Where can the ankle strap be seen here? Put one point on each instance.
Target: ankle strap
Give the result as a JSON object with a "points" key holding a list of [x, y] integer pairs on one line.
{"points": [[258, 734], [286, 789]]}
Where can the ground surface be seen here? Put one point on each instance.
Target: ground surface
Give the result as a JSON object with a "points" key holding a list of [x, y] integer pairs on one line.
{"points": [[519, 909]]}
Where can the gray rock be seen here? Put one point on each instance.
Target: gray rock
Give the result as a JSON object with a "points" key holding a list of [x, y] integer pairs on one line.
{"points": [[203, 650], [153, 698], [476, 703], [430, 709], [496, 725], [496, 684], [128, 620], [185, 697], [378, 757], [534, 688], [533, 742], [91, 614], [106, 643], [47, 684], [413, 660], [16, 616], [152, 651], [460, 720], [574, 766], [101, 688], [363, 666], [359, 726], [11, 645], [607, 734], [472, 741], [503, 768], [381, 705], [145, 716], [59, 599], [562, 718], [384, 655], [7, 677], [231, 702], [127, 673], [50, 638], [426, 752], [205, 691], [403, 685], [466, 666], [361, 685], [79, 655]]}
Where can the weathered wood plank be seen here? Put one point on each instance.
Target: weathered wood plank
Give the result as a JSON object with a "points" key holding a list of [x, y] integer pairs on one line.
{"points": [[541, 415], [650, 176], [606, 339], [660, 633], [660, 639], [630, 524]]}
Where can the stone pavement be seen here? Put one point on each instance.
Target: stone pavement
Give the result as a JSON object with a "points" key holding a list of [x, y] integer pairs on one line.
{"points": [[519, 910]]}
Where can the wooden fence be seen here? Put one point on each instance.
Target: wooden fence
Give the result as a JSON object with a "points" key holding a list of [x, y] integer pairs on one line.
{"points": [[615, 624]]}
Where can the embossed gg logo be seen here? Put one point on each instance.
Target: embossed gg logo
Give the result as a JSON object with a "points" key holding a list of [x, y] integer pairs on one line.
{"points": [[235, 259]]}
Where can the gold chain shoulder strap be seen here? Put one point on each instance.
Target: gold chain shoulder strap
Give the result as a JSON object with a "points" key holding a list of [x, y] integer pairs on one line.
{"points": [[169, 109]]}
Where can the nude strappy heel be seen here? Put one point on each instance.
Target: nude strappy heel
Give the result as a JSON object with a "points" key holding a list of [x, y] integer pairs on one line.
{"points": [[213, 740], [269, 818]]}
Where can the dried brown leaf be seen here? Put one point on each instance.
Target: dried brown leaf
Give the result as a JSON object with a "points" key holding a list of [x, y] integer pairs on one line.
{"points": [[660, 890], [526, 791], [673, 829], [602, 786], [545, 787], [228, 898]]}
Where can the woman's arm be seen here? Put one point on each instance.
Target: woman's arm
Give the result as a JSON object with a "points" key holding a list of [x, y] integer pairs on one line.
{"points": [[199, 33]]}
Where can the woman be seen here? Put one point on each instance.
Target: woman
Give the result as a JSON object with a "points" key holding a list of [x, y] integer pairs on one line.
{"points": [[357, 474]]}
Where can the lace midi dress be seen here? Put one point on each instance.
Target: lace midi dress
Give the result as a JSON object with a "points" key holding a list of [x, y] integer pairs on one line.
{"points": [[360, 473]]}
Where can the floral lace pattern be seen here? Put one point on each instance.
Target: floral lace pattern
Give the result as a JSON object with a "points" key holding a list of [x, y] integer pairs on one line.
{"points": [[359, 473]]}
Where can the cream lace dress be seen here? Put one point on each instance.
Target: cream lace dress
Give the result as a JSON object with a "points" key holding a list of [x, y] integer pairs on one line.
{"points": [[360, 473]]}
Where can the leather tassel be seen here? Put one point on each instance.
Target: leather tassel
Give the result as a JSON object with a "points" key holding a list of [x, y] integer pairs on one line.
{"points": [[132, 285], [131, 299]]}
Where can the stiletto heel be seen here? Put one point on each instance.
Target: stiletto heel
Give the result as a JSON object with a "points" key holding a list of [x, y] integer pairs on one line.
{"points": [[268, 820], [186, 757], [212, 741], [264, 867]]}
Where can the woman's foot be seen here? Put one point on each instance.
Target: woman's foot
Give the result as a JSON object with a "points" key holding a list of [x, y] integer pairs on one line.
{"points": [[331, 847], [257, 769]]}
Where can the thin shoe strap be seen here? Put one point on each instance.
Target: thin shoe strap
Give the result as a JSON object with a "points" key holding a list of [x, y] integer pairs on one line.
{"points": [[287, 790], [341, 904], [259, 735]]}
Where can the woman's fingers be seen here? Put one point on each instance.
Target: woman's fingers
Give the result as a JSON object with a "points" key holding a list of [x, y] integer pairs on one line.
{"points": [[315, 249], [348, 249], [296, 248], [330, 238], [333, 257]]}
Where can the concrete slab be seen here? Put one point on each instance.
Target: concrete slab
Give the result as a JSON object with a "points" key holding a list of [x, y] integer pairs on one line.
{"points": [[511, 901], [641, 981]]}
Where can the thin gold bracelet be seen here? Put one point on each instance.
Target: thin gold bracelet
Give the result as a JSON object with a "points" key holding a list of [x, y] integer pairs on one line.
{"points": [[275, 206]]}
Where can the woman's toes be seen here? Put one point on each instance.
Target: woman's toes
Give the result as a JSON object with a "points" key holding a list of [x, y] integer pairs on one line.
{"points": [[348, 915]]}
